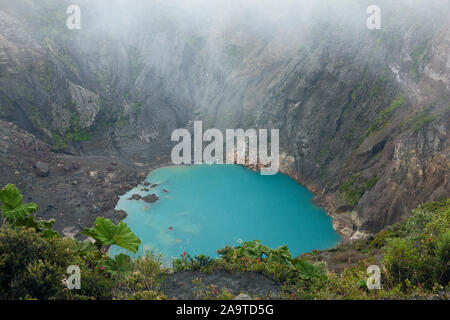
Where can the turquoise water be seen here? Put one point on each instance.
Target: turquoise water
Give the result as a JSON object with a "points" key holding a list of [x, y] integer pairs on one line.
{"points": [[207, 207]]}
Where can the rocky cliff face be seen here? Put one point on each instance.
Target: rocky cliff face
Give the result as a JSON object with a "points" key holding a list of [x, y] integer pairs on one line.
{"points": [[363, 115]]}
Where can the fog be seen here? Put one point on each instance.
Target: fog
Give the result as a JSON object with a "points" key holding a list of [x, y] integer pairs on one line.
{"points": [[117, 15], [254, 19]]}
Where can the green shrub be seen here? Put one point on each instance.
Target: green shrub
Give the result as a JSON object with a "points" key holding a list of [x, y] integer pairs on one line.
{"points": [[186, 262], [401, 260], [417, 254], [18, 214], [119, 265], [422, 120], [95, 285], [442, 253], [32, 266], [276, 263], [147, 273]]}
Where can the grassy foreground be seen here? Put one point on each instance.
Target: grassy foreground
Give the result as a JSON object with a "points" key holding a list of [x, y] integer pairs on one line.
{"points": [[413, 258]]}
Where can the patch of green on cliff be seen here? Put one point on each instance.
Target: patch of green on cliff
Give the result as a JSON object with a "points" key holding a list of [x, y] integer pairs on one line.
{"points": [[385, 116], [196, 42], [374, 91], [78, 136], [60, 54], [323, 153], [348, 137], [75, 133], [47, 76], [137, 106], [103, 76], [355, 186], [233, 55], [418, 56], [422, 120], [361, 84], [136, 62], [121, 121], [417, 120]]}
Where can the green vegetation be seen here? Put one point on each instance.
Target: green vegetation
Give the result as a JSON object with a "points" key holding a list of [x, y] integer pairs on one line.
{"points": [[76, 133], [34, 267], [233, 55], [47, 76], [136, 62], [349, 135], [137, 106], [105, 233], [385, 116], [34, 258], [418, 56], [417, 252], [18, 214], [355, 186], [361, 84], [121, 121], [374, 91], [422, 120], [413, 258], [414, 262]]}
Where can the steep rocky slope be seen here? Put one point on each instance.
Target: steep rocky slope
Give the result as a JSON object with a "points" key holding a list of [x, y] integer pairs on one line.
{"points": [[363, 114]]}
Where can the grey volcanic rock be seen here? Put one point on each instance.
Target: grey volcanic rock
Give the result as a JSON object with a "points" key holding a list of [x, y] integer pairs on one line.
{"points": [[115, 215], [42, 169], [151, 198], [181, 285], [135, 197], [86, 103], [73, 206], [70, 231]]}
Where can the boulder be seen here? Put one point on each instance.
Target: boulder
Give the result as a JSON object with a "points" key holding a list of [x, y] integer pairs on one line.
{"points": [[150, 198], [42, 169], [135, 197], [70, 231]]}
